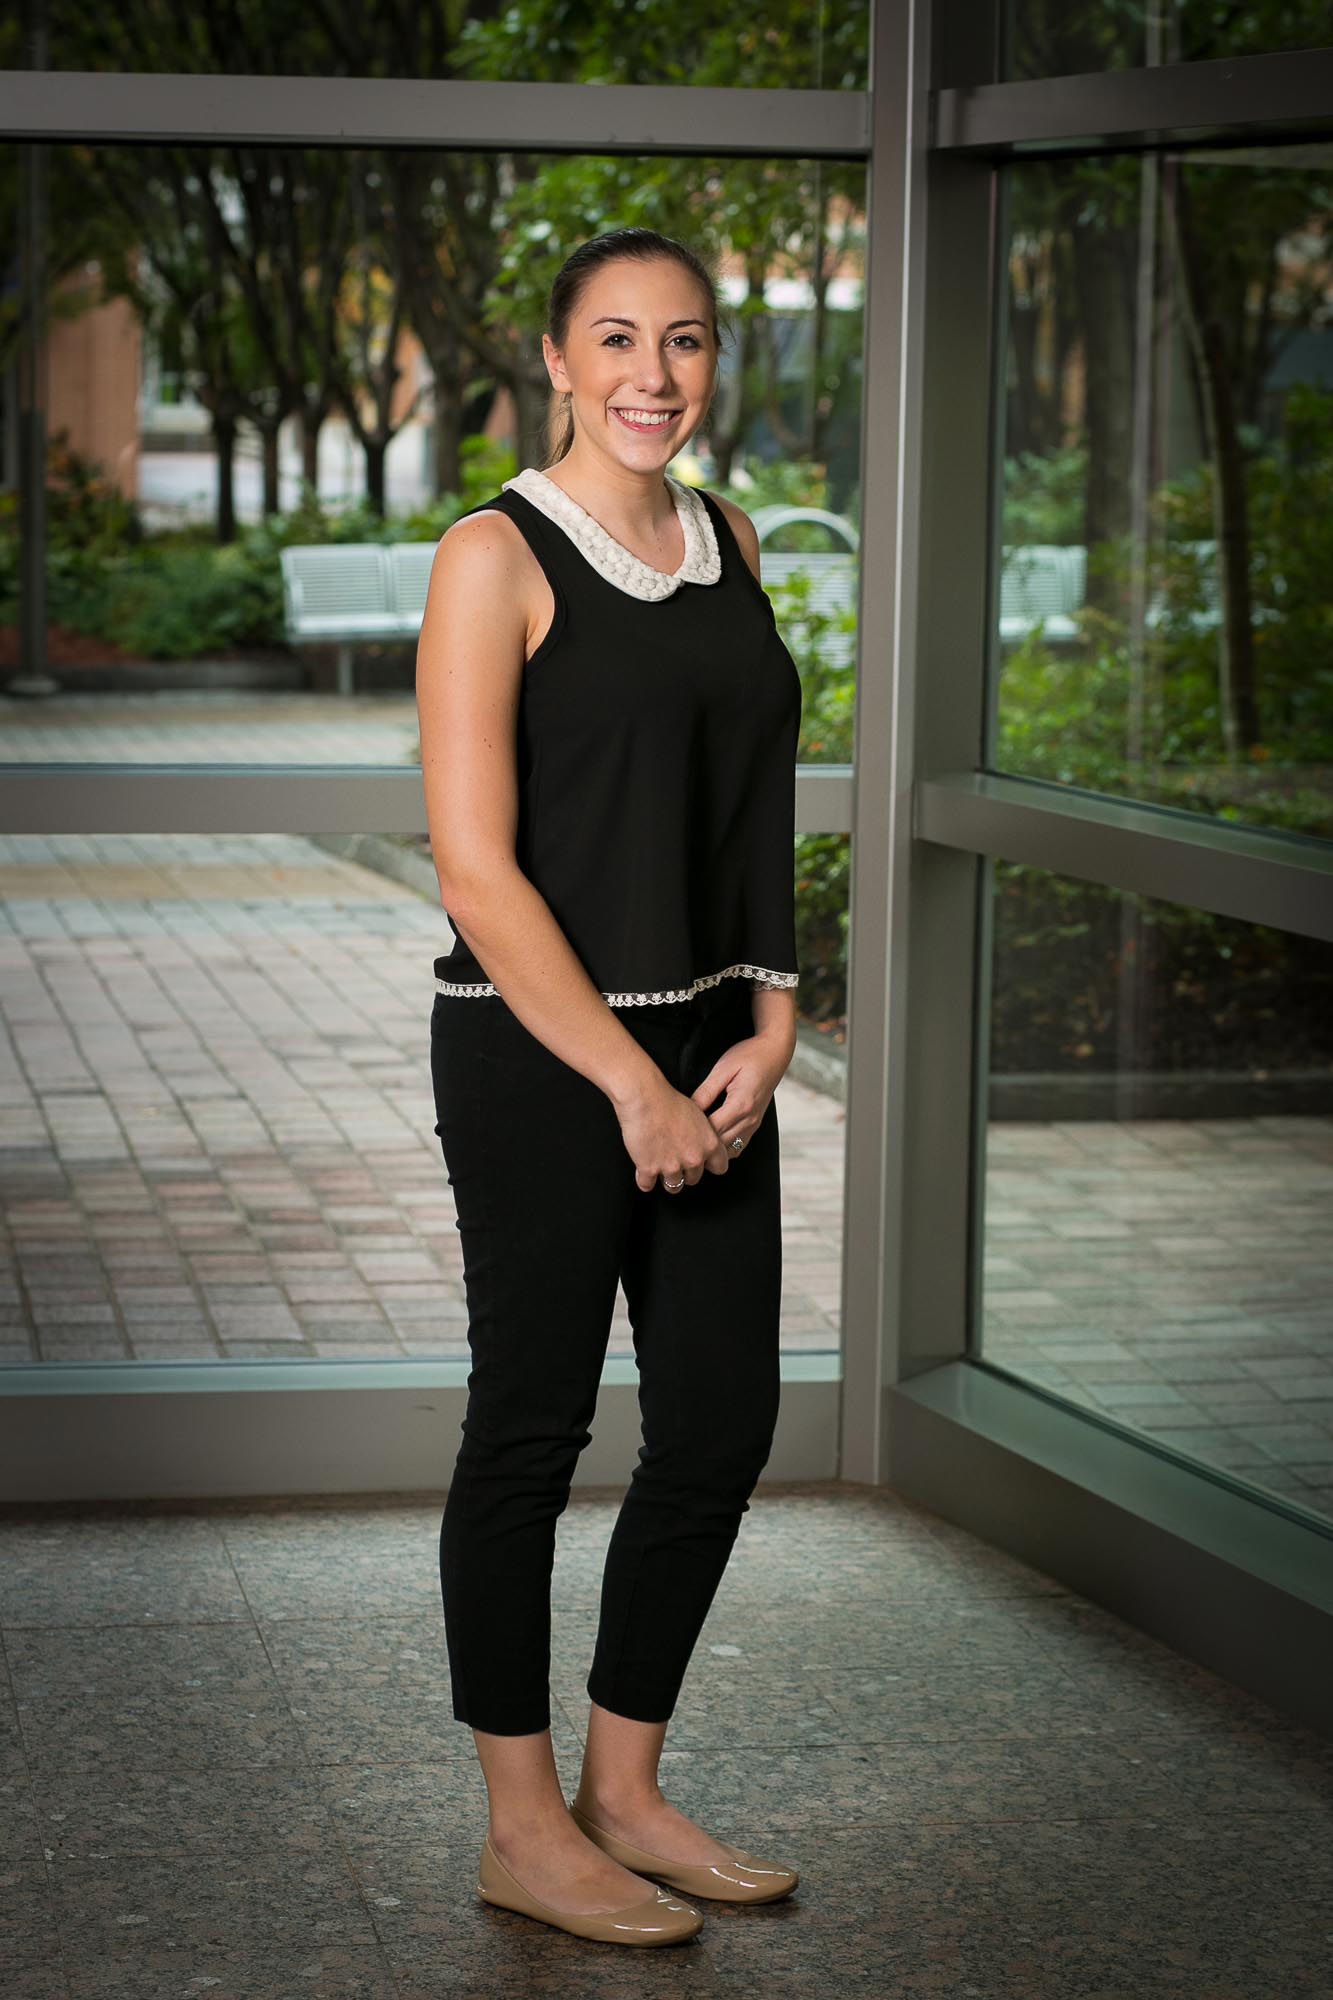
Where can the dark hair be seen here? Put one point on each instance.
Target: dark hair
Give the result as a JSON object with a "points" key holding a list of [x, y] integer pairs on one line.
{"points": [[568, 288]]}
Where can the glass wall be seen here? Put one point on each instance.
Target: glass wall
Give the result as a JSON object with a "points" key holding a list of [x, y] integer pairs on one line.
{"points": [[267, 372], [248, 471], [218, 1126], [787, 45], [1054, 38], [1161, 627], [1157, 1118], [1159, 1173]]}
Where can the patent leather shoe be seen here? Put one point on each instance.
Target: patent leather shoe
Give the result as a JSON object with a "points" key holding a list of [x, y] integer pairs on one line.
{"points": [[656, 1918], [744, 1878]]}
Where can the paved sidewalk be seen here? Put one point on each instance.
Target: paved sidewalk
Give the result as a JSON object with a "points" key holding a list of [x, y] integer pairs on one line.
{"points": [[218, 1124], [1175, 1274]]}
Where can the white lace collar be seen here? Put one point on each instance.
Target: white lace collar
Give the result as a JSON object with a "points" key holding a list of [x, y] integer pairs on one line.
{"points": [[702, 561]]}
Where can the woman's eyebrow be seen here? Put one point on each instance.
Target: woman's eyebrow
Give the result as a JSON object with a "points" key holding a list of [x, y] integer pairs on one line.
{"points": [[614, 319]]}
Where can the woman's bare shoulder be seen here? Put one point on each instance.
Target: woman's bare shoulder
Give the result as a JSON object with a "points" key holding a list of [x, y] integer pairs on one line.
{"points": [[485, 573], [486, 552], [482, 540]]}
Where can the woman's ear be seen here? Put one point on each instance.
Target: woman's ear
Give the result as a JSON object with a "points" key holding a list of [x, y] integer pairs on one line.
{"points": [[555, 366]]}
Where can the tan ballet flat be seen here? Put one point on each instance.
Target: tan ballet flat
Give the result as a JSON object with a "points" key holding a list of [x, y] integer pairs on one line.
{"points": [[744, 1879], [655, 1919]]}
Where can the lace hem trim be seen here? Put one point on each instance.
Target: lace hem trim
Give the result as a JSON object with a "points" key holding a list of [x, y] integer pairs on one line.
{"points": [[701, 563], [758, 975]]}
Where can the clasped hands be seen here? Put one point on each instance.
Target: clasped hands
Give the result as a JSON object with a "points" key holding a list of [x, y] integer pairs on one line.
{"points": [[671, 1137]]}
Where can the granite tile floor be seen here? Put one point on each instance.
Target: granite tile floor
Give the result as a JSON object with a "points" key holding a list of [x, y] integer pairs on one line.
{"points": [[216, 1140], [230, 1768]]}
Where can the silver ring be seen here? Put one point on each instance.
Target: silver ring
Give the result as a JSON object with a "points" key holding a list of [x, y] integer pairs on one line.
{"points": [[736, 1145], [674, 1187]]}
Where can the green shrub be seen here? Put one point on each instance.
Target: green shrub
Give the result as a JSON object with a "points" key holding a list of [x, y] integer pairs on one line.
{"points": [[823, 888], [1203, 992]]}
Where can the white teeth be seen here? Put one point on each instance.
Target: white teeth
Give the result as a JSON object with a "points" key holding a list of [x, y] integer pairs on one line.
{"points": [[647, 416]]}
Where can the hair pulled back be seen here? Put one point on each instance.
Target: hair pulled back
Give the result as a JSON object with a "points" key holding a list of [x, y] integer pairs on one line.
{"points": [[568, 287]]}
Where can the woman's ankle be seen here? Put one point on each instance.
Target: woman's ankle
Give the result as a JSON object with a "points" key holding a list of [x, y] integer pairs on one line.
{"points": [[617, 1797], [523, 1824]]}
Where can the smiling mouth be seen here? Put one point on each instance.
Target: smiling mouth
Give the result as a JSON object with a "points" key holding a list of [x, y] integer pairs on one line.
{"points": [[653, 420]]}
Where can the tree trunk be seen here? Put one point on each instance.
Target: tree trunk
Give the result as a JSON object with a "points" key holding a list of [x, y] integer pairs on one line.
{"points": [[376, 449], [1105, 291], [725, 440], [272, 488], [818, 330], [447, 436], [1237, 696], [224, 446], [529, 417], [312, 421]]}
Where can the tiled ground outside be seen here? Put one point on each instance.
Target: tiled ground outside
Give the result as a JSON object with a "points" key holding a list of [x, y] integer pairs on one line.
{"points": [[229, 1767], [218, 1125], [1176, 1275]]}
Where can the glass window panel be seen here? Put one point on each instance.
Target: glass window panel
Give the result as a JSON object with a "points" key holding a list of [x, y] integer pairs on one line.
{"points": [[777, 44], [1162, 617], [1055, 38], [197, 420], [218, 1126], [1158, 1179]]}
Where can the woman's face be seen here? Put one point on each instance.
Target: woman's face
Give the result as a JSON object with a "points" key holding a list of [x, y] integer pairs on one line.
{"points": [[639, 362]]}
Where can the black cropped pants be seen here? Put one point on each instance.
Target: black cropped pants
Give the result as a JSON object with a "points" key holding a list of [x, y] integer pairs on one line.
{"points": [[551, 1218]]}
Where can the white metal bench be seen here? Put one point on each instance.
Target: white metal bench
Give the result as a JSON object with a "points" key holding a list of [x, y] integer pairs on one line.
{"points": [[410, 565], [345, 593], [1042, 584], [832, 572]]}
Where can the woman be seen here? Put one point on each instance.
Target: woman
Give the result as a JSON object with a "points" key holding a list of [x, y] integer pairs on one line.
{"points": [[609, 723]]}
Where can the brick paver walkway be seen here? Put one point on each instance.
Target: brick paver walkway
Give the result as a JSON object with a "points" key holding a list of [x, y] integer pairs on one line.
{"points": [[219, 1132], [218, 1136], [1177, 1275]]}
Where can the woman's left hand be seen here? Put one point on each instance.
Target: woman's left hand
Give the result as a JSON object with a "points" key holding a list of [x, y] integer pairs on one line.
{"points": [[748, 1073]]}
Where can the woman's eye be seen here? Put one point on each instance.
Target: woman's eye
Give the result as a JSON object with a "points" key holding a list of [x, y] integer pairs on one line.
{"points": [[691, 338]]}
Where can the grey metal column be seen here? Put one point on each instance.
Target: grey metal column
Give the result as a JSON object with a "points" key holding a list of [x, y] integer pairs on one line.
{"points": [[911, 970], [881, 828]]}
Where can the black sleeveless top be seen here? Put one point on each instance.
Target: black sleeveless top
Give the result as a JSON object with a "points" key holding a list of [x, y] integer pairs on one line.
{"points": [[656, 753]]}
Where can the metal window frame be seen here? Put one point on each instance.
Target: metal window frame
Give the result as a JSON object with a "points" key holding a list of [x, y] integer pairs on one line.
{"points": [[160, 109], [1234, 101]]}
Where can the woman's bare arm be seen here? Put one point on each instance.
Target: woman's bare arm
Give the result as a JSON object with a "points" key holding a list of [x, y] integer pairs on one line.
{"points": [[469, 671], [773, 1008]]}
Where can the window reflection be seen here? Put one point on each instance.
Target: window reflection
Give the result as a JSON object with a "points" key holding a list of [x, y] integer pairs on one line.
{"points": [[1163, 623], [1159, 1173], [1057, 38]]}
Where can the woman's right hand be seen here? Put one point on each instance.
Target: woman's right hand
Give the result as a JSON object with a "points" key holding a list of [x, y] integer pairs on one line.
{"points": [[667, 1135]]}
